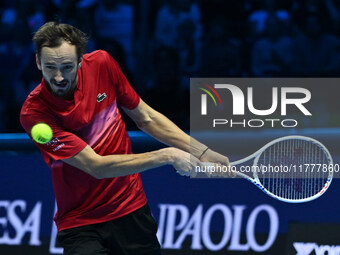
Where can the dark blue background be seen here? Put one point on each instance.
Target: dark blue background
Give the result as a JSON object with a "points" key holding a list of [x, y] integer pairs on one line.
{"points": [[25, 176]]}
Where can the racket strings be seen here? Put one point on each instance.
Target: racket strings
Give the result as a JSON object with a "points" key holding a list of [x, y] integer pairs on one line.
{"points": [[293, 169]]}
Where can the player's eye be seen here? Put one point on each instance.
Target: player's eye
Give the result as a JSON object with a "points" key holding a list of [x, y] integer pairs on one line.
{"points": [[50, 67], [68, 67]]}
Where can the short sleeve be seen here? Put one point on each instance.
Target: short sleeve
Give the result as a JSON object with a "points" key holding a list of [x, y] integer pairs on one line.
{"points": [[63, 145], [126, 95]]}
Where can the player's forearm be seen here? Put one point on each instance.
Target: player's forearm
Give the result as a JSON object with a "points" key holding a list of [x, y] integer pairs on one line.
{"points": [[120, 165], [164, 130]]}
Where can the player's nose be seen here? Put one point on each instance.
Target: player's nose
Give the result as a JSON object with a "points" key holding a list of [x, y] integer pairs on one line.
{"points": [[58, 77]]}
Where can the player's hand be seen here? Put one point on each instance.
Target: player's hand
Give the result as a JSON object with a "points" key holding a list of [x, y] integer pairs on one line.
{"points": [[221, 162], [184, 163]]}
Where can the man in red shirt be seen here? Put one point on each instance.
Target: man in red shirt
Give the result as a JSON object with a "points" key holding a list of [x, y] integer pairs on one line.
{"points": [[102, 208]]}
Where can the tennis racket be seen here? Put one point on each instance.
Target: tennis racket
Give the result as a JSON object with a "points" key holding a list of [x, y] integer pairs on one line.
{"points": [[293, 169]]}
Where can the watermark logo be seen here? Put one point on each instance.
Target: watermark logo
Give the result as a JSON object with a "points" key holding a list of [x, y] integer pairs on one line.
{"points": [[212, 93], [253, 103], [304, 96]]}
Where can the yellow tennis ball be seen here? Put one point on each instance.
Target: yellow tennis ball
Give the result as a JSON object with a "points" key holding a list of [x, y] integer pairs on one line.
{"points": [[41, 133]]}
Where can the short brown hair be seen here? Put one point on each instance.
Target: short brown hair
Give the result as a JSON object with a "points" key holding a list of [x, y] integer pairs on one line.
{"points": [[52, 34]]}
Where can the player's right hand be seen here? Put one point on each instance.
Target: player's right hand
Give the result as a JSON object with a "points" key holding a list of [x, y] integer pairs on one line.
{"points": [[183, 162]]}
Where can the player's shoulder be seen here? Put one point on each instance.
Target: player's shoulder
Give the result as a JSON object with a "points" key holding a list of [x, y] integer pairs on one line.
{"points": [[34, 101], [97, 56], [34, 109], [101, 59]]}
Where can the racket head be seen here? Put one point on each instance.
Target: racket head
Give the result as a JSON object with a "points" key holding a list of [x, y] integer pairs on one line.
{"points": [[292, 178]]}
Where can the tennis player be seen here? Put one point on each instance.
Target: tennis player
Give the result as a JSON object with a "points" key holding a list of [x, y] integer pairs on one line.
{"points": [[102, 208]]}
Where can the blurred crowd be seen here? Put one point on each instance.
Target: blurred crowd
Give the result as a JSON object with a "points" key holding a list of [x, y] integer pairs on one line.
{"points": [[160, 44]]}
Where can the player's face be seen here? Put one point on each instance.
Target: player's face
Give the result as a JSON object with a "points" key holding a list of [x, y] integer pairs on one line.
{"points": [[59, 67]]}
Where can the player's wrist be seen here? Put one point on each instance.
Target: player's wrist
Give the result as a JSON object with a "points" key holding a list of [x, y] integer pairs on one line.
{"points": [[203, 153], [168, 155]]}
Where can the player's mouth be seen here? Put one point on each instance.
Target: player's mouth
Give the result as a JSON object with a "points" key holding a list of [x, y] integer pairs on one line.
{"points": [[62, 84]]}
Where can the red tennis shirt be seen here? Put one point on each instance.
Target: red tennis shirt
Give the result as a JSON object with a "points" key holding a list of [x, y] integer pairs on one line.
{"points": [[91, 118]]}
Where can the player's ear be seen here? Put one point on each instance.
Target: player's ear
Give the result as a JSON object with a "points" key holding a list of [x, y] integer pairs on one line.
{"points": [[80, 62], [37, 60]]}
